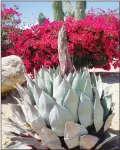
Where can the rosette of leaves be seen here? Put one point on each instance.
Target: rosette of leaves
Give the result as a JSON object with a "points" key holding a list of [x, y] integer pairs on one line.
{"points": [[61, 112]]}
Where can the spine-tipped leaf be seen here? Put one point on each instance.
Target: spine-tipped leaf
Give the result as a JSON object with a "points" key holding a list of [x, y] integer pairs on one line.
{"points": [[71, 103], [88, 141], [36, 93], [99, 86], [94, 79], [42, 85], [61, 91], [58, 117], [85, 111], [46, 104], [49, 137], [88, 88], [98, 111], [107, 104], [48, 83], [108, 122], [56, 83], [37, 124], [70, 78]]}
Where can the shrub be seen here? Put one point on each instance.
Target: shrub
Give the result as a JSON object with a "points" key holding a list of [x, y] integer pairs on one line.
{"points": [[10, 19], [92, 41]]}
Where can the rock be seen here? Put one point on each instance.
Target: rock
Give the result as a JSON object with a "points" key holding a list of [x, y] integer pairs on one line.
{"points": [[13, 71]]}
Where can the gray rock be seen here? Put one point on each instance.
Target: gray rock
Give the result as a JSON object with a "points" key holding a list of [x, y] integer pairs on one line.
{"points": [[13, 71]]}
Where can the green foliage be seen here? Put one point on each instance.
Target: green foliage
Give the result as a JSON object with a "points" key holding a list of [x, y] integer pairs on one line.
{"points": [[41, 18]]}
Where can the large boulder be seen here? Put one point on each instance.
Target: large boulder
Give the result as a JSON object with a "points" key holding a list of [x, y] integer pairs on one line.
{"points": [[13, 71]]}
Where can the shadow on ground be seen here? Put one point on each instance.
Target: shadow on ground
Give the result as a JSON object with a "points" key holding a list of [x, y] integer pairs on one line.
{"points": [[9, 98], [111, 78], [116, 132]]}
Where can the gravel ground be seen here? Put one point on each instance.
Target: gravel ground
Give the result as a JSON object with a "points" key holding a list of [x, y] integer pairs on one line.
{"points": [[108, 79]]}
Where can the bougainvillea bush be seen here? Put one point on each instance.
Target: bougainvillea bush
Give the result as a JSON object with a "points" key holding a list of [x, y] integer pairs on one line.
{"points": [[92, 41], [10, 19]]}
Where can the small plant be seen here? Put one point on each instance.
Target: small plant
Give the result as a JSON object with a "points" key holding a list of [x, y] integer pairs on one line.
{"points": [[73, 108]]}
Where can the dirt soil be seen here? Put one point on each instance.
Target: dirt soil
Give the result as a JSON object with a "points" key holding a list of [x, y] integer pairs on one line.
{"points": [[108, 79]]}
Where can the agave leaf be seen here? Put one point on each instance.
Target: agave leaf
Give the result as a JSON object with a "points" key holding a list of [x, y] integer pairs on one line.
{"points": [[30, 94], [46, 104], [98, 111], [16, 107], [30, 82], [74, 74], [57, 71], [88, 88], [88, 141], [52, 74], [106, 104], [36, 77], [94, 79], [72, 134], [83, 130], [56, 83], [11, 134], [18, 113], [24, 94], [73, 130], [17, 145], [52, 146], [85, 111], [61, 91], [108, 91], [41, 84], [42, 73], [36, 93], [29, 141], [104, 142], [71, 103], [49, 137], [19, 128], [48, 83], [21, 90], [29, 111], [70, 78], [108, 122], [99, 86], [37, 124], [58, 117], [79, 83]]}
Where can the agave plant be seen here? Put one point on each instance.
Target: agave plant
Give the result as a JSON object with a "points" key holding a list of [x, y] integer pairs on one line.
{"points": [[75, 108], [61, 108]]}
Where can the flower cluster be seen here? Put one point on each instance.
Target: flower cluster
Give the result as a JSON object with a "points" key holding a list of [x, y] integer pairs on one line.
{"points": [[10, 19], [92, 41]]}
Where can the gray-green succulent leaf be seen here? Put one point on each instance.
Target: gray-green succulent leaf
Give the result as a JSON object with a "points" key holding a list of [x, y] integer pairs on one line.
{"points": [[46, 104], [71, 103], [61, 91], [98, 111], [85, 111], [58, 117]]}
